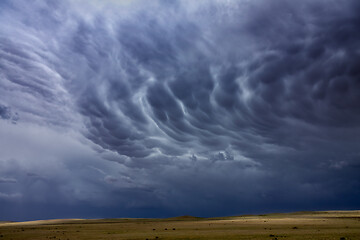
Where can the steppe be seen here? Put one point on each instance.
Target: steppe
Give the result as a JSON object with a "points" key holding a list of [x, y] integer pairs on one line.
{"points": [[326, 225]]}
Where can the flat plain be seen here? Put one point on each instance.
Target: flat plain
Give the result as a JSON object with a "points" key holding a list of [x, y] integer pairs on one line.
{"points": [[326, 225]]}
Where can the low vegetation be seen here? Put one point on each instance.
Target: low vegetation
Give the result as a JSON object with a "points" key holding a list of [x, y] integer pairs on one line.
{"points": [[332, 225]]}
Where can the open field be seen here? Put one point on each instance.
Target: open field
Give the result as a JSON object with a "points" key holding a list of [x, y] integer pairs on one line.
{"points": [[337, 225]]}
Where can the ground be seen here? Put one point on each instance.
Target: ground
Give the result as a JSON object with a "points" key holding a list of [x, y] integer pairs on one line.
{"points": [[336, 225]]}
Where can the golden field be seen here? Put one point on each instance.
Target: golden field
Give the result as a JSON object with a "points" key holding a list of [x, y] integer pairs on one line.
{"points": [[327, 225]]}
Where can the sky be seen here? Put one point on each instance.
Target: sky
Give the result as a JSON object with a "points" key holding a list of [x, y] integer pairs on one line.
{"points": [[136, 108]]}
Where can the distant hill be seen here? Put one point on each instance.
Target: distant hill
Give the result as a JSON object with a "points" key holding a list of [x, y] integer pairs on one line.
{"points": [[185, 218]]}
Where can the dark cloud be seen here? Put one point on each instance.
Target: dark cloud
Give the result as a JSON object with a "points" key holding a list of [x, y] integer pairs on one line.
{"points": [[186, 104], [7, 114]]}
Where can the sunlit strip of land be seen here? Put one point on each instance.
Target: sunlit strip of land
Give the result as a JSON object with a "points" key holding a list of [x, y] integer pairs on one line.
{"points": [[339, 225]]}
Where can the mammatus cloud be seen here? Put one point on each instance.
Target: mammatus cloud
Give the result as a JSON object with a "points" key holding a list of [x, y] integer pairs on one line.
{"points": [[180, 106]]}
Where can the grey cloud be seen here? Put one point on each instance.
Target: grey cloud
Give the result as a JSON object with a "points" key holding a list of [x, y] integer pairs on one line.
{"points": [[7, 180], [7, 114], [193, 98], [10, 196]]}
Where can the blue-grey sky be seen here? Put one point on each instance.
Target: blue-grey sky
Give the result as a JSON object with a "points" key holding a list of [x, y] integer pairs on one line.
{"points": [[136, 108]]}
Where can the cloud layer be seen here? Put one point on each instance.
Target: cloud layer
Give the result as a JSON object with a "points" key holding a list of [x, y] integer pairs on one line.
{"points": [[137, 108]]}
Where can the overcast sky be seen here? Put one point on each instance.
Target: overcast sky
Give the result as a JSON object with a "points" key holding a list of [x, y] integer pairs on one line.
{"points": [[137, 108]]}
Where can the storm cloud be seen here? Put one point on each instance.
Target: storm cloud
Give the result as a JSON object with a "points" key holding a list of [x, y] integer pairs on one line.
{"points": [[164, 108]]}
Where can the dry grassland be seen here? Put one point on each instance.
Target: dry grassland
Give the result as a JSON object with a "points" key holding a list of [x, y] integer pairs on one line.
{"points": [[330, 225]]}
